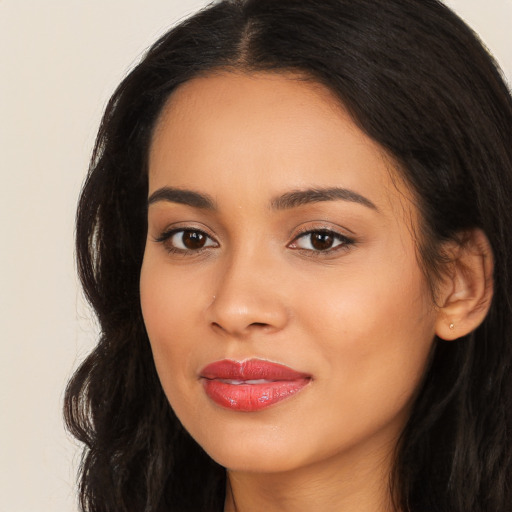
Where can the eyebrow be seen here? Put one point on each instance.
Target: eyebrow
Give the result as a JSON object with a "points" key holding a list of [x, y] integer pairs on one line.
{"points": [[317, 195], [285, 201], [181, 196]]}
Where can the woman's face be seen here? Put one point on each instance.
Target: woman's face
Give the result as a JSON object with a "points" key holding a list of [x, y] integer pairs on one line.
{"points": [[289, 319]]}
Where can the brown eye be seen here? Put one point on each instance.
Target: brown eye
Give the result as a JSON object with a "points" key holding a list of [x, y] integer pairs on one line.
{"points": [[193, 240], [183, 240], [320, 241]]}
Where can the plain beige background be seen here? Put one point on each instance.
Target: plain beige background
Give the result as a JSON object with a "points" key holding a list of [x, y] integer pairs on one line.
{"points": [[59, 62]]}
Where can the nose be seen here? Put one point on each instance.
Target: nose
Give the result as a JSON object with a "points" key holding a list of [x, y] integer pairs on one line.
{"points": [[248, 299]]}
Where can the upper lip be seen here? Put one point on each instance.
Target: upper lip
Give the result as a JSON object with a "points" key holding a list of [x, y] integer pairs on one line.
{"points": [[251, 369]]}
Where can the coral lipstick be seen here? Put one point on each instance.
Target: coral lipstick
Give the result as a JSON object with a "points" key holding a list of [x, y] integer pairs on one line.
{"points": [[250, 386]]}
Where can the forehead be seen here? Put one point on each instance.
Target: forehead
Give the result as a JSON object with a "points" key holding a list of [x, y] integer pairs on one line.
{"points": [[282, 130], [259, 105], [262, 89]]}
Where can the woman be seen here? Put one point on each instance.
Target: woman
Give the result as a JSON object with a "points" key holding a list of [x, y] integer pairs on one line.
{"points": [[296, 234]]}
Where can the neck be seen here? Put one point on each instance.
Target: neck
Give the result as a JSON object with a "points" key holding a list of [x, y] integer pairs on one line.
{"points": [[356, 486]]}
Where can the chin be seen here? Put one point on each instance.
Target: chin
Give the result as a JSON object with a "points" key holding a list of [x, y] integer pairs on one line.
{"points": [[250, 447], [252, 458]]}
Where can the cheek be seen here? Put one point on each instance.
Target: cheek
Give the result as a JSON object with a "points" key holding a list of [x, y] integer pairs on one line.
{"points": [[170, 296], [376, 330], [166, 301], [388, 295]]}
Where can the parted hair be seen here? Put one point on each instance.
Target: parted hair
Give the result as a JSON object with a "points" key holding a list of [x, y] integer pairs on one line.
{"points": [[416, 80]]}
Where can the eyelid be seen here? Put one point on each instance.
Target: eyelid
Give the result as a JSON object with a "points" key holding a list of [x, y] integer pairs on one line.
{"points": [[167, 234], [171, 232], [176, 227], [342, 241], [346, 241]]}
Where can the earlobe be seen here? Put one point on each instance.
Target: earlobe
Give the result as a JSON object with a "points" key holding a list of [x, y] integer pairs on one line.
{"points": [[467, 289]]}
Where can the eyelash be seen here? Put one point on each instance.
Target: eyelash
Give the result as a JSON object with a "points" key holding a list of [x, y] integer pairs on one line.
{"points": [[344, 242], [166, 237]]}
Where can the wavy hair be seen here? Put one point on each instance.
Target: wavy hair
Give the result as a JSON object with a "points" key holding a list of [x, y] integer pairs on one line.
{"points": [[415, 79]]}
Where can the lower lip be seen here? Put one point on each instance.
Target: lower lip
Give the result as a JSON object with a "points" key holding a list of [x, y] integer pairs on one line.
{"points": [[252, 397]]}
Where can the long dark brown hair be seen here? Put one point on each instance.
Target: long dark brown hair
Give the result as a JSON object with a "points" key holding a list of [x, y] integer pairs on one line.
{"points": [[415, 79]]}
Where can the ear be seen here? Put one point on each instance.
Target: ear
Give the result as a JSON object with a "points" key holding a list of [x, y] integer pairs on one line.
{"points": [[466, 291]]}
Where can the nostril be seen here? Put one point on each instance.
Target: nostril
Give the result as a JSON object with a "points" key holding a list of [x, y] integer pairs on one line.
{"points": [[253, 324], [242, 312], [240, 330]]}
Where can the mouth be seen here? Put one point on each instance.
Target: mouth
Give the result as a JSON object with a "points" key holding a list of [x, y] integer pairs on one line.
{"points": [[251, 385]]}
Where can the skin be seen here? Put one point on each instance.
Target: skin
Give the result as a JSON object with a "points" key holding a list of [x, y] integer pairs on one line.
{"points": [[358, 317]]}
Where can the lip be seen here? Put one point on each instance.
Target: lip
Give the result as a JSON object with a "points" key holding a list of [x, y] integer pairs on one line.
{"points": [[251, 385]]}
